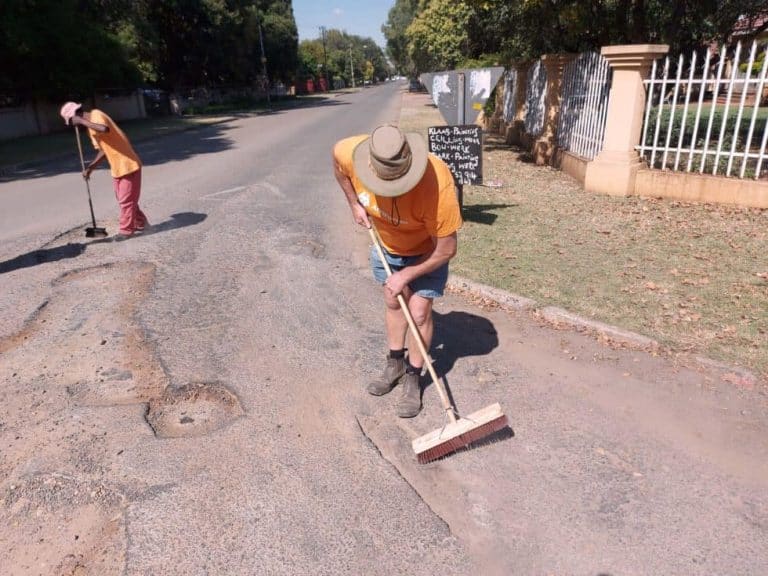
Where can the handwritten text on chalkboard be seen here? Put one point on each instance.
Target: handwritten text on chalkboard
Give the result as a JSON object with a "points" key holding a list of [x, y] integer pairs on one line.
{"points": [[461, 148]]}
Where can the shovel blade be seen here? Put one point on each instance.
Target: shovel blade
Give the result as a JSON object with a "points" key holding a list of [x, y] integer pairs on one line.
{"points": [[95, 232]]}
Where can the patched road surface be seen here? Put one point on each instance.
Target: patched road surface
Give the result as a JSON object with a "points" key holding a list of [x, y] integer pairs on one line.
{"points": [[191, 402]]}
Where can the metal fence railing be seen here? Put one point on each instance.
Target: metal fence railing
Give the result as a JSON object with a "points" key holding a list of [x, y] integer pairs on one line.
{"points": [[705, 115], [584, 105], [535, 95]]}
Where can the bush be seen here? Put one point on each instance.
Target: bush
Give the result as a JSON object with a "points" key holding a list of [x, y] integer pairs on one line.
{"points": [[717, 121]]}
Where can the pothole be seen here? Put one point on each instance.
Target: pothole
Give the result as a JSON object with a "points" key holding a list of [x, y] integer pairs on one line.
{"points": [[193, 410]]}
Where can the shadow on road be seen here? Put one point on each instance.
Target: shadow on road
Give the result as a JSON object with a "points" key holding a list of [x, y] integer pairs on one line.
{"points": [[162, 148], [74, 249], [42, 256], [460, 334], [178, 220], [172, 147]]}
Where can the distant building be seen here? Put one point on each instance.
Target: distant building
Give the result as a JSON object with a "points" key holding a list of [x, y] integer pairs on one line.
{"points": [[746, 28]]}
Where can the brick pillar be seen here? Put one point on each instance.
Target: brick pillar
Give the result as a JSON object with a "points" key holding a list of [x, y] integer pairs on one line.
{"points": [[543, 149], [614, 170]]}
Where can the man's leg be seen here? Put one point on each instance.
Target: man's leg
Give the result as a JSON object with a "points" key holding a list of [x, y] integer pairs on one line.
{"points": [[123, 194], [139, 217], [409, 403], [396, 327], [394, 320], [421, 310]]}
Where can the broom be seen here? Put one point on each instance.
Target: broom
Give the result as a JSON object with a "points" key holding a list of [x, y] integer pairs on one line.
{"points": [[458, 432]]}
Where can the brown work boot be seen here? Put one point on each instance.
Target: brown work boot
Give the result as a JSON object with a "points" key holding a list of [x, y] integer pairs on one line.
{"points": [[393, 371], [409, 403]]}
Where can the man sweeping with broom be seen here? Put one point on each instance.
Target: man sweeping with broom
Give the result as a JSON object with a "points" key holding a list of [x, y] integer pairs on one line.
{"points": [[112, 143], [391, 181], [406, 198]]}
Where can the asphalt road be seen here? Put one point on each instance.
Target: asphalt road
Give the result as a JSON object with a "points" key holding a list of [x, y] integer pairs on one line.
{"points": [[191, 401]]}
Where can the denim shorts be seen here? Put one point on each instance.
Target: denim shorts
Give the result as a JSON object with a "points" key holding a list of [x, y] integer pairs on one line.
{"points": [[429, 285]]}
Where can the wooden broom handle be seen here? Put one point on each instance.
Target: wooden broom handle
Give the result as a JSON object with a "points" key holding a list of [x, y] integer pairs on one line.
{"points": [[415, 331]]}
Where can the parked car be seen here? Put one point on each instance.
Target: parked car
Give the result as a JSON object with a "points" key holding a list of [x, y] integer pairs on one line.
{"points": [[156, 102], [415, 85]]}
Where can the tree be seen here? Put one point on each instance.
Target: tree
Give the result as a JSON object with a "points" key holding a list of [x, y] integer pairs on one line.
{"points": [[442, 34], [73, 47], [310, 58], [399, 18], [529, 28], [437, 37], [205, 42], [48, 50], [346, 52], [281, 39]]}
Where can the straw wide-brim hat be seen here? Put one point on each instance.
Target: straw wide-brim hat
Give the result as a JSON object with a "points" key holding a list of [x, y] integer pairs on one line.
{"points": [[390, 162], [68, 110]]}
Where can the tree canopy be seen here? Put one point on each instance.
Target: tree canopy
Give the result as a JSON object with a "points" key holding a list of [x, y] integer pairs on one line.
{"points": [[427, 35], [333, 52], [73, 47]]}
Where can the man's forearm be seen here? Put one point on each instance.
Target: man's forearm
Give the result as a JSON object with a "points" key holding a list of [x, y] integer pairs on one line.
{"points": [[346, 185], [91, 125], [99, 157]]}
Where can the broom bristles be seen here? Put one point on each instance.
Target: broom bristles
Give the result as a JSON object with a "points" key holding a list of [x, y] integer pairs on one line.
{"points": [[460, 434]]}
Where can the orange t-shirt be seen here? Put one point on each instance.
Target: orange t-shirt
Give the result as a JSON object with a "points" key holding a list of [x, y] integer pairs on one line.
{"points": [[122, 159], [409, 223]]}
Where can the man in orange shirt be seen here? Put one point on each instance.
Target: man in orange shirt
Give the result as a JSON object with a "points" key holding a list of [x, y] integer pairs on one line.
{"points": [[112, 143], [390, 180]]}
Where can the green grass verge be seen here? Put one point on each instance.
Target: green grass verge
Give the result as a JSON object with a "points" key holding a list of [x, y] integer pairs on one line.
{"points": [[694, 277]]}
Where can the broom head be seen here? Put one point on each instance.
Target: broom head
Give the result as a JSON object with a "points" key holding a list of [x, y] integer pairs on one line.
{"points": [[457, 435]]}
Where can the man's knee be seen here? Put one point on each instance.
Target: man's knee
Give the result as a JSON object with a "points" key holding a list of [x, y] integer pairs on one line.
{"points": [[421, 310], [391, 303]]}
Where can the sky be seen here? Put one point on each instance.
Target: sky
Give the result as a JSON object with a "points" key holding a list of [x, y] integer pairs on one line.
{"points": [[358, 17]]}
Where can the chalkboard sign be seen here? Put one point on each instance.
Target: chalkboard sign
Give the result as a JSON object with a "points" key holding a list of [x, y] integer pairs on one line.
{"points": [[461, 147]]}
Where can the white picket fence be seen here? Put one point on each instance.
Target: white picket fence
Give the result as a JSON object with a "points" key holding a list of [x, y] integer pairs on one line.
{"points": [[535, 99], [704, 115], [584, 105]]}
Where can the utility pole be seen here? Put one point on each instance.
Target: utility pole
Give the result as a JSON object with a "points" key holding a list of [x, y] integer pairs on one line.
{"points": [[351, 66], [325, 59], [264, 64]]}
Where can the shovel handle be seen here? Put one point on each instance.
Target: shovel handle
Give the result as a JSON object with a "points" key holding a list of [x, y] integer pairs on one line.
{"points": [[82, 164], [415, 331], [79, 146]]}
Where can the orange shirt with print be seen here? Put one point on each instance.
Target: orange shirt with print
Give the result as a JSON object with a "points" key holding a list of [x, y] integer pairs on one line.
{"points": [[409, 223], [121, 156]]}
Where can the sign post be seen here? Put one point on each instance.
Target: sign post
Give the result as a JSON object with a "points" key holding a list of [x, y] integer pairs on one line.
{"points": [[460, 95]]}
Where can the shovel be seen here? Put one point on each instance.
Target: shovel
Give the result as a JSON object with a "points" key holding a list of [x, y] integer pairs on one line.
{"points": [[93, 231]]}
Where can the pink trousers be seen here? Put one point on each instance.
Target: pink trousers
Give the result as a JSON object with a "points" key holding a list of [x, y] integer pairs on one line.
{"points": [[127, 192]]}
